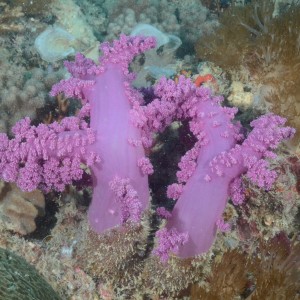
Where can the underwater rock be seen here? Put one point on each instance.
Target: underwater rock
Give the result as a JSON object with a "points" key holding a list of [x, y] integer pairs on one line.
{"points": [[239, 97], [20, 280], [19, 209]]}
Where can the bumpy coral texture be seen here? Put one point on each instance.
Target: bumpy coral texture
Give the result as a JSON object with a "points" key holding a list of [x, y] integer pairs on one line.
{"points": [[112, 145], [22, 92], [187, 19], [19, 209]]}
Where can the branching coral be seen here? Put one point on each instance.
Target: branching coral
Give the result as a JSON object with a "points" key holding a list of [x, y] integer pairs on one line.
{"points": [[57, 109], [75, 24]]}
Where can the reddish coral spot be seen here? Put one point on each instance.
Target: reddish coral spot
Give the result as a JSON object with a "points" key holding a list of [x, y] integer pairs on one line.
{"points": [[204, 78]]}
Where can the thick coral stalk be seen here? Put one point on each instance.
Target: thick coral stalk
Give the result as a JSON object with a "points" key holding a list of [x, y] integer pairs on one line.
{"points": [[107, 89], [208, 171]]}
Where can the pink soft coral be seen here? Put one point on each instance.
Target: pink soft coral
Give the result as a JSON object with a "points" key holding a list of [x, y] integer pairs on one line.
{"points": [[112, 145]]}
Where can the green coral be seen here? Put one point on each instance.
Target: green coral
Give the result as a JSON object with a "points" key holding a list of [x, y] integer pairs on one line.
{"points": [[20, 280]]}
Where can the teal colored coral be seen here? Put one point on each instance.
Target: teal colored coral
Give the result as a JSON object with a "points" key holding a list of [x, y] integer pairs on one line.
{"points": [[19, 280]]}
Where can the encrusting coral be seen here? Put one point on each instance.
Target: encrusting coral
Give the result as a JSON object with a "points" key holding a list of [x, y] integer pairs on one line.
{"points": [[53, 256], [18, 209], [106, 257], [251, 42]]}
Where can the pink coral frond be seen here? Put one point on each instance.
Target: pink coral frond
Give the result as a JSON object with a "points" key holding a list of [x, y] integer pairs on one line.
{"points": [[51, 156], [174, 191], [163, 213], [222, 225], [72, 88], [236, 191], [128, 198], [123, 51], [40, 156], [169, 242], [82, 66], [145, 165]]}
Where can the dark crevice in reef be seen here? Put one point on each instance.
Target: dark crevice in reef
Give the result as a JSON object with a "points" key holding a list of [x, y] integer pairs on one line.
{"points": [[45, 223]]}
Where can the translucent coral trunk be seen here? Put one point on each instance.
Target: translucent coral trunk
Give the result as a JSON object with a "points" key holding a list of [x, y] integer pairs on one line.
{"points": [[110, 108]]}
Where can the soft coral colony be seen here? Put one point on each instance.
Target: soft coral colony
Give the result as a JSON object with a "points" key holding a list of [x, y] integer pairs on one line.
{"points": [[113, 142]]}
